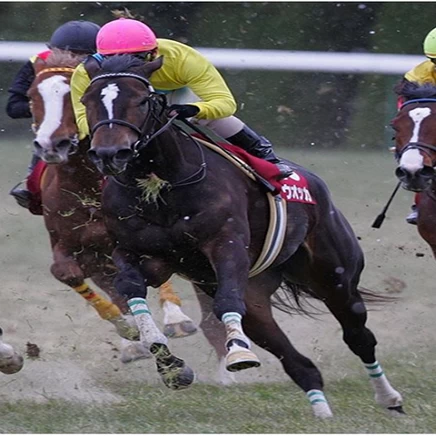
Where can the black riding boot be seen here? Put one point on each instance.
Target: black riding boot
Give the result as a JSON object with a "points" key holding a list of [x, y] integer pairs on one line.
{"points": [[23, 196], [259, 146]]}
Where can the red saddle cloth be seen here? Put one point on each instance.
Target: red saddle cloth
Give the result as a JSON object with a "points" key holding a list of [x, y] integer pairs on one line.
{"points": [[294, 188], [34, 187]]}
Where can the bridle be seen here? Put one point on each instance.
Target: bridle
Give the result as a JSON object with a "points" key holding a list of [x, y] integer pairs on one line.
{"points": [[157, 104], [154, 100], [69, 70], [418, 145]]}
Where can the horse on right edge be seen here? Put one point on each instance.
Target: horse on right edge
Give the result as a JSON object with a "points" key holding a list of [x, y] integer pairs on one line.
{"points": [[217, 227], [415, 151]]}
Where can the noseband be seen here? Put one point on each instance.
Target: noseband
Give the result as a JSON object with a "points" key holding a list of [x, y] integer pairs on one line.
{"points": [[419, 145], [153, 99]]}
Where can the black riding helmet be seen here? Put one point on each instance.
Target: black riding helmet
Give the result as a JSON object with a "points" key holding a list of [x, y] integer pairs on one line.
{"points": [[75, 36]]}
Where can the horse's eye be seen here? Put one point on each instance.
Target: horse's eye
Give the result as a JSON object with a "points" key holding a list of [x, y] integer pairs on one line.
{"points": [[143, 101]]}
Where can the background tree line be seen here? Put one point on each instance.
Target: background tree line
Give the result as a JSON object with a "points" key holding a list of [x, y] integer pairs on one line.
{"points": [[294, 109]]}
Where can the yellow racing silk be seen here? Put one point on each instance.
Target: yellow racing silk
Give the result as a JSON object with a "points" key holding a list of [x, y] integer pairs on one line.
{"points": [[425, 72], [182, 67]]}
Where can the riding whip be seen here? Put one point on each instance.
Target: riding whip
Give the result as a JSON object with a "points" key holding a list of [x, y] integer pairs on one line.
{"points": [[380, 218]]}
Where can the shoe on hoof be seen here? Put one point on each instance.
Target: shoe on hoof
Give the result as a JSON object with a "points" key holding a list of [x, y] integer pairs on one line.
{"points": [[240, 358]]}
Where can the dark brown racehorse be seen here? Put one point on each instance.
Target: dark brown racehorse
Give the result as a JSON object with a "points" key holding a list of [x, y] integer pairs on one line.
{"points": [[208, 222], [71, 191], [415, 148]]}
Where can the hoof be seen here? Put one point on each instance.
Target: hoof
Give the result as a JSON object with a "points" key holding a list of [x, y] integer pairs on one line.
{"points": [[239, 358], [396, 411], [125, 329], [180, 330], [174, 372], [132, 351], [11, 365]]}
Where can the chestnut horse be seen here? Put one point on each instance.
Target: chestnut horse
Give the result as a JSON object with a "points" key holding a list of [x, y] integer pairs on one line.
{"points": [[70, 191], [10, 361], [415, 149], [209, 222]]}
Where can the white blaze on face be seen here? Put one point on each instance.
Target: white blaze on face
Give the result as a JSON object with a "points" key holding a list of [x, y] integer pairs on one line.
{"points": [[412, 160], [52, 90], [109, 94]]}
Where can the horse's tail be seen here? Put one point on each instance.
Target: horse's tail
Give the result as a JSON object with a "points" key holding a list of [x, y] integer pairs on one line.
{"points": [[294, 298]]}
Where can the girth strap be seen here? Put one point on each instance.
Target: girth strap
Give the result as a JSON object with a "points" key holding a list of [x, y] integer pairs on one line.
{"points": [[277, 222]]}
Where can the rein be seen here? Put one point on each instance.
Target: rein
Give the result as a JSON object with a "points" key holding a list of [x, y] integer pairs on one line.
{"points": [[56, 70], [143, 138]]}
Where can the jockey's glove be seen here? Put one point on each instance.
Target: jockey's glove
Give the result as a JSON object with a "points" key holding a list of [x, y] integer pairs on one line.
{"points": [[183, 110]]}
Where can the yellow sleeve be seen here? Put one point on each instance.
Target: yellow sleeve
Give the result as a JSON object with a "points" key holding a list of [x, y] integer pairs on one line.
{"points": [[208, 84], [79, 83], [422, 73]]}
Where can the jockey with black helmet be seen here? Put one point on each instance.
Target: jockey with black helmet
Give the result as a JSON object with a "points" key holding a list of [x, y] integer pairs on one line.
{"points": [[75, 36]]}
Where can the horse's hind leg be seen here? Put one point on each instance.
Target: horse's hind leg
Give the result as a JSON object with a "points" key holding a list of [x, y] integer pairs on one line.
{"points": [[10, 361], [177, 324], [261, 327], [351, 314], [130, 350]]}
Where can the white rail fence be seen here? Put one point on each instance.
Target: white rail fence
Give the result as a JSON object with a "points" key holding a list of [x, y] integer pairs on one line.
{"points": [[274, 60]]}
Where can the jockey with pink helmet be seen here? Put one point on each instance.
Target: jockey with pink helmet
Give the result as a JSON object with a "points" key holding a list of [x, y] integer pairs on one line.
{"points": [[193, 86]]}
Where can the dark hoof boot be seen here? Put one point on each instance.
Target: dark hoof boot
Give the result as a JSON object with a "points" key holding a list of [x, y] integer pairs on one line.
{"points": [[22, 196], [180, 330], [397, 409], [412, 218], [174, 372]]}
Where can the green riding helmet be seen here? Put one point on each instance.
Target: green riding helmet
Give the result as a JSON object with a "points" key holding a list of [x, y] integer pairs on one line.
{"points": [[430, 44]]}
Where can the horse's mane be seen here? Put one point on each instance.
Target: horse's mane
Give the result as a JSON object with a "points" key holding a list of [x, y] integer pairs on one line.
{"points": [[120, 63], [412, 90], [62, 58]]}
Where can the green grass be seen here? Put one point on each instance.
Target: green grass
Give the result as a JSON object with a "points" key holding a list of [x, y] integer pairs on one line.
{"points": [[259, 408]]}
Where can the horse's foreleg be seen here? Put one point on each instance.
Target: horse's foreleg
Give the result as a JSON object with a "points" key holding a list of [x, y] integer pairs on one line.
{"points": [[132, 285], [177, 324], [215, 334], [351, 314], [229, 258], [125, 325], [66, 269], [10, 361]]}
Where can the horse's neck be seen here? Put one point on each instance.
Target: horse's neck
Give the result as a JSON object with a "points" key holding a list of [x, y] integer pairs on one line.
{"points": [[169, 156]]}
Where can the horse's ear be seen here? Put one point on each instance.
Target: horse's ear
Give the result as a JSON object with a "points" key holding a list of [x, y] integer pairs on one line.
{"points": [[92, 66], [39, 65], [150, 67]]}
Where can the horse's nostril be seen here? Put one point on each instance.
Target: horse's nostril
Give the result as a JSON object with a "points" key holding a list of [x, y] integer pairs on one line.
{"points": [[427, 172], [400, 173], [92, 155], [36, 145], [123, 155]]}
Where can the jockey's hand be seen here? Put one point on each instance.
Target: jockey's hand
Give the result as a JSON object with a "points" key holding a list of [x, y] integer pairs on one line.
{"points": [[183, 111]]}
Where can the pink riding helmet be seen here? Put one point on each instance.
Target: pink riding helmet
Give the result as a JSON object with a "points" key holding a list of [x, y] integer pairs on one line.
{"points": [[125, 36]]}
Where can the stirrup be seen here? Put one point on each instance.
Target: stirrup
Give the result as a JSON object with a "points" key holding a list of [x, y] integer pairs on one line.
{"points": [[22, 196], [412, 218]]}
